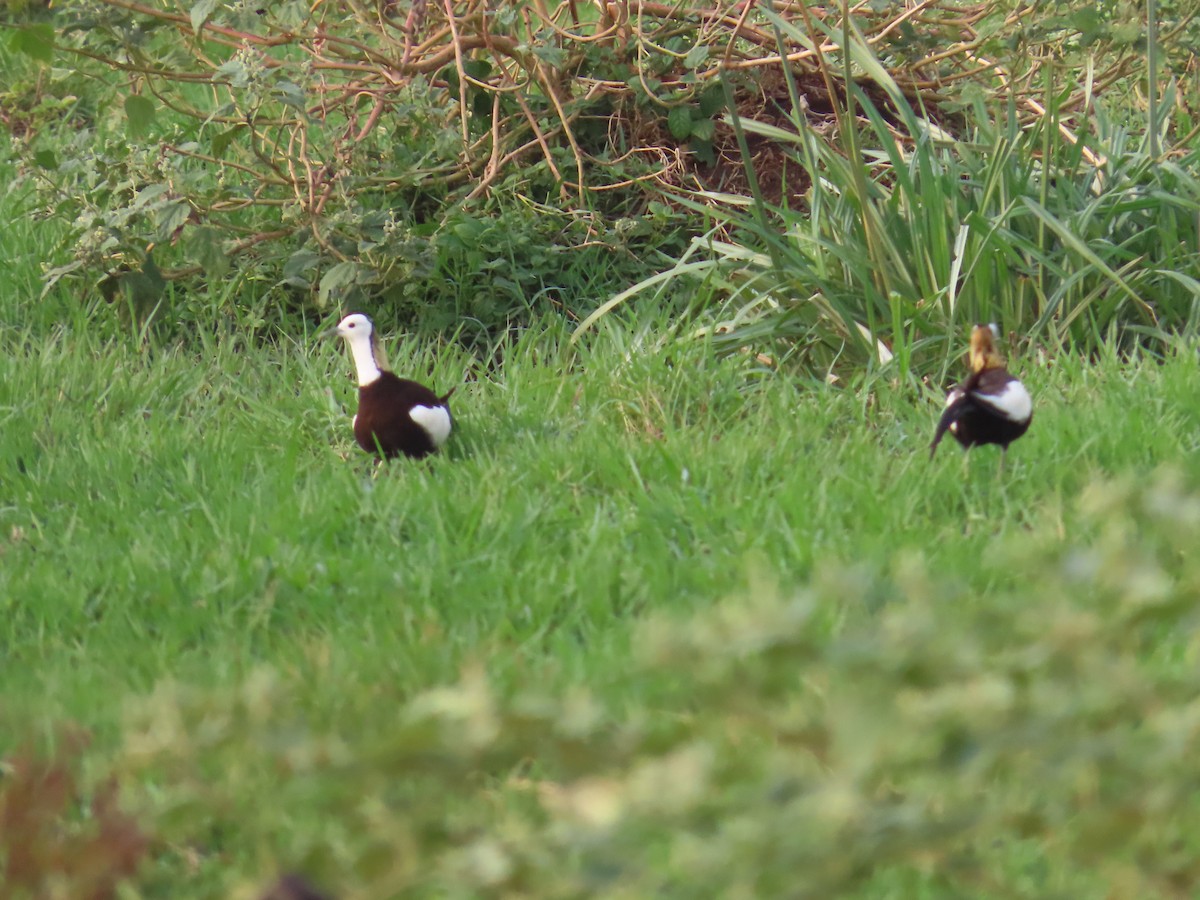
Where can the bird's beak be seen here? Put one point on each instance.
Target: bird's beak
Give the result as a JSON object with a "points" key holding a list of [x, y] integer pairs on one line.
{"points": [[329, 333]]}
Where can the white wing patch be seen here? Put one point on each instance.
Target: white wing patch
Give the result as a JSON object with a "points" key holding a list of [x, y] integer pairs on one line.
{"points": [[953, 397], [1013, 402], [435, 420]]}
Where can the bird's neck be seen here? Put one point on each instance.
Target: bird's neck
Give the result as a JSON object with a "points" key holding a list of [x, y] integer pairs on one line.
{"points": [[365, 362], [983, 360]]}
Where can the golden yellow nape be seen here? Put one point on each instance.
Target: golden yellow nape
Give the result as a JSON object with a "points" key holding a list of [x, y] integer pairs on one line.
{"points": [[983, 354]]}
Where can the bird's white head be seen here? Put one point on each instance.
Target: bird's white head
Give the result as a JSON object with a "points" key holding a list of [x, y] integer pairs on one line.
{"points": [[354, 327], [358, 331]]}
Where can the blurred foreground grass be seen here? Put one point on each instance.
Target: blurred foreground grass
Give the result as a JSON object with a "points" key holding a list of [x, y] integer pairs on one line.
{"points": [[1035, 738]]}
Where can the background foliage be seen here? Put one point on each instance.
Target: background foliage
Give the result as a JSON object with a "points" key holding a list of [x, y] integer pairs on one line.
{"points": [[466, 166]]}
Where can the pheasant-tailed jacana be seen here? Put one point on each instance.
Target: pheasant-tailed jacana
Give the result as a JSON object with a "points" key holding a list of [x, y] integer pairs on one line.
{"points": [[991, 406], [395, 415]]}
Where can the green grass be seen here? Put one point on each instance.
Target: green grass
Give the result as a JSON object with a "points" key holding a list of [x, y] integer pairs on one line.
{"points": [[192, 513], [199, 567]]}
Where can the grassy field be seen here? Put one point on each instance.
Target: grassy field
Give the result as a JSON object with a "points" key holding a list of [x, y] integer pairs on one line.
{"points": [[197, 566], [194, 511]]}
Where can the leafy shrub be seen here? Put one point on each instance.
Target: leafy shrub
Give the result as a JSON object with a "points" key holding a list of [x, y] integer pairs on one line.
{"points": [[346, 187], [340, 147]]}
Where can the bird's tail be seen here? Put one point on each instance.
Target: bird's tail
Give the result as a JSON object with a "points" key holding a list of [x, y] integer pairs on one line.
{"points": [[943, 425], [446, 396]]}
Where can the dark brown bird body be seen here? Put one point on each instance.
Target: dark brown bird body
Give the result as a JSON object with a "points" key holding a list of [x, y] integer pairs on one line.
{"points": [[384, 422], [991, 406]]}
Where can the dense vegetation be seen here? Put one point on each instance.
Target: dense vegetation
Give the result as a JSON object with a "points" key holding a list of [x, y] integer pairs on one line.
{"points": [[684, 609], [1031, 164]]}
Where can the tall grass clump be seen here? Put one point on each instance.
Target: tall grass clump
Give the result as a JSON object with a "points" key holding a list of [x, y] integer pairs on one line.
{"points": [[919, 220]]}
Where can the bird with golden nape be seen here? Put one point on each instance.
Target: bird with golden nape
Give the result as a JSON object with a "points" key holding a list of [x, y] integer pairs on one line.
{"points": [[991, 406]]}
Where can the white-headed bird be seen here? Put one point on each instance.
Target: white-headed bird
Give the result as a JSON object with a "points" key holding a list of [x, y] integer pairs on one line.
{"points": [[395, 416]]}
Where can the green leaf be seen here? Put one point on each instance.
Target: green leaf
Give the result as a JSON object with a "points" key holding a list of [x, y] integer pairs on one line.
{"points": [[291, 94], [696, 57], [704, 130], [171, 217], [468, 229], [679, 121], [712, 101], [644, 86], [343, 275], [680, 268], [479, 69], [140, 112], [46, 159], [300, 262], [201, 13], [36, 41], [222, 140], [147, 196], [143, 289], [1128, 33], [1087, 21], [554, 57], [204, 245], [703, 151], [233, 71]]}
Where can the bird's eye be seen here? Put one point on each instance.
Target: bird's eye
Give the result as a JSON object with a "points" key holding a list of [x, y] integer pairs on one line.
{"points": [[350, 325]]}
